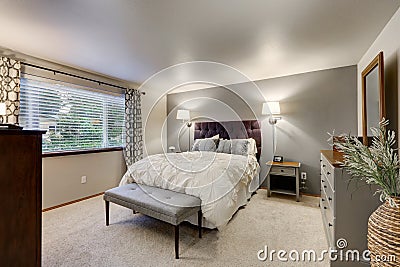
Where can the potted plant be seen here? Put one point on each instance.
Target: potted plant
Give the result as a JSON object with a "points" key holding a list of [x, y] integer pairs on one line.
{"points": [[378, 165]]}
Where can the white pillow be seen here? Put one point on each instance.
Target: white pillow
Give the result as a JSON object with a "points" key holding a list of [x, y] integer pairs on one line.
{"points": [[215, 137], [206, 144], [253, 147], [224, 146], [244, 147]]}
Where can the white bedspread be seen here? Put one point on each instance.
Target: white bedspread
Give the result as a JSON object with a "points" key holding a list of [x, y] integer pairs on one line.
{"points": [[215, 178]]}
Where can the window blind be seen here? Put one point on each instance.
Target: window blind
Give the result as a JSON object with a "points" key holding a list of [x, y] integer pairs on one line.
{"points": [[74, 118]]}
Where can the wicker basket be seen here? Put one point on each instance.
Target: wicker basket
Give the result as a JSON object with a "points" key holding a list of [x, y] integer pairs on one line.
{"points": [[384, 235]]}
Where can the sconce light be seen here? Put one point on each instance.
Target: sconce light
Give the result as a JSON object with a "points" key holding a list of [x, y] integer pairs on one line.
{"points": [[272, 108], [184, 115]]}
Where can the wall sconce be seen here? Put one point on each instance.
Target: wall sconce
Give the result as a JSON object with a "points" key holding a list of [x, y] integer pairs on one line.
{"points": [[184, 115], [272, 108]]}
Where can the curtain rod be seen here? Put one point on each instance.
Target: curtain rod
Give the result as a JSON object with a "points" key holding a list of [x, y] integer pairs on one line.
{"points": [[75, 76]]}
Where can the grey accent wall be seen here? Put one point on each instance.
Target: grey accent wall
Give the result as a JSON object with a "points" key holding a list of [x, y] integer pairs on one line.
{"points": [[312, 104]]}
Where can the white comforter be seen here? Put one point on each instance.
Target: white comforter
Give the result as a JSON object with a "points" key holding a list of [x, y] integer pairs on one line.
{"points": [[215, 178]]}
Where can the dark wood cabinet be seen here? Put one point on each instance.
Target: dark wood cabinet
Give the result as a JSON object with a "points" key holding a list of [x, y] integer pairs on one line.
{"points": [[21, 193]]}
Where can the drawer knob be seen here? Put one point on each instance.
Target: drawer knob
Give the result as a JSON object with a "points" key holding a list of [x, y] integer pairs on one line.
{"points": [[325, 186], [323, 165], [282, 170], [320, 160], [330, 225], [330, 199], [323, 181], [322, 199], [328, 173], [325, 208]]}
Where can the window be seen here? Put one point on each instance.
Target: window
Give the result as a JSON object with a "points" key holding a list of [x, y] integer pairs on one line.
{"points": [[74, 117]]}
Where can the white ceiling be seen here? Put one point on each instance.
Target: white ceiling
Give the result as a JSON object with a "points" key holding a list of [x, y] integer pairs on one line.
{"points": [[132, 40]]}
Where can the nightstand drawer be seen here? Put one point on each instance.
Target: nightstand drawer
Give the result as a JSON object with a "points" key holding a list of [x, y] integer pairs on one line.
{"points": [[286, 171]]}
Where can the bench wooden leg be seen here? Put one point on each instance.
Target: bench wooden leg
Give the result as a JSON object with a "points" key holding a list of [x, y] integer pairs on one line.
{"points": [[199, 221], [176, 241], [107, 213]]}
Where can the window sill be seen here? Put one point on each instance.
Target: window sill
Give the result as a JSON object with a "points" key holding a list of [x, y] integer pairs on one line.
{"points": [[79, 152]]}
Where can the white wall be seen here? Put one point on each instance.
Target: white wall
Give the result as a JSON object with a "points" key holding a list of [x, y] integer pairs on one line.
{"points": [[387, 41], [62, 176], [154, 117], [154, 125]]}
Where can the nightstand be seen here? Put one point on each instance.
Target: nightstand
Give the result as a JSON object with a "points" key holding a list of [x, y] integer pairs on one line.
{"points": [[284, 178]]}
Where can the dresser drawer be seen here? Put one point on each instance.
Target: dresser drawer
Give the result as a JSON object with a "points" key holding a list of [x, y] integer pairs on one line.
{"points": [[328, 171], [331, 230], [329, 193], [329, 223], [326, 205], [286, 171], [323, 203]]}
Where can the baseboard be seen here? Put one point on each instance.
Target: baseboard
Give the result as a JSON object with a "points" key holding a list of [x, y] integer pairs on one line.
{"points": [[72, 202], [311, 195], [301, 193]]}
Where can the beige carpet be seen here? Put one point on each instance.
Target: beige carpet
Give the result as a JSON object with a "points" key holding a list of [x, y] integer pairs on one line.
{"points": [[76, 235]]}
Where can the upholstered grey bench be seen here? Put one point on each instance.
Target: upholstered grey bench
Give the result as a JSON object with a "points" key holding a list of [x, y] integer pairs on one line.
{"points": [[165, 205]]}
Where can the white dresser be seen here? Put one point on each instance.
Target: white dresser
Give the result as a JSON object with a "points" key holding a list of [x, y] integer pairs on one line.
{"points": [[345, 207]]}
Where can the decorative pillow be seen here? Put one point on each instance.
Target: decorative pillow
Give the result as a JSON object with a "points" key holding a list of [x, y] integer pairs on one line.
{"points": [[244, 147], [206, 144], [253, 147], [215, 137], [224, 146]]}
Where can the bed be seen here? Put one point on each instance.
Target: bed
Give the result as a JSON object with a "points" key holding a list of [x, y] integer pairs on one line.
{"points": [[223, 181]]}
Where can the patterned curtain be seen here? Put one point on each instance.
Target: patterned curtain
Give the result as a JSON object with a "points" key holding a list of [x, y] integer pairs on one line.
{"points": [[133, 127], [9, 90]]}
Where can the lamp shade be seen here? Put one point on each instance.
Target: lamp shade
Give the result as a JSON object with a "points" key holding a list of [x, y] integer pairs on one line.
{"points": [[3, 109], [271, 107], [183, 114]]}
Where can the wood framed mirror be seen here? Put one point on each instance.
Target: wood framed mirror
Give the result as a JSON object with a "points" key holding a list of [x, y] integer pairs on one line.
{"points": [[373, 96]]}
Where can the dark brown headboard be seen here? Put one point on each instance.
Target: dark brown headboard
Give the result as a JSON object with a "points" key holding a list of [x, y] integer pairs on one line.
{"points": [[230, 130]]}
